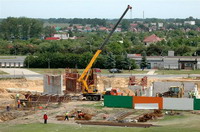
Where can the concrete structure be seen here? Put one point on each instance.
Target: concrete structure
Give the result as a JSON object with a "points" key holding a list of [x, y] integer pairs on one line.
{"points": [[53, 84], [12, 61], [169, 62]]}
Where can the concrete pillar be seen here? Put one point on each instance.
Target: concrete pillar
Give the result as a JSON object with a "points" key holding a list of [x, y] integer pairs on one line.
{"points": [[53, 84], [151, 91], [196, 91]]}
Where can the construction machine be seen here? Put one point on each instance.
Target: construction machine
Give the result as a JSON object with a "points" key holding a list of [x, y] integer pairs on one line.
{"points": [[90, 91], [174, 91]]}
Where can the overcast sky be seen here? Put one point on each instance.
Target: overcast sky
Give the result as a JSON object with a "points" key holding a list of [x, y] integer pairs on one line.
{"points": [[99, 8]]}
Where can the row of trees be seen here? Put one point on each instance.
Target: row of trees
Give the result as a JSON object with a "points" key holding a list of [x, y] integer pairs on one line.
{"points": [[59, 60], [182, 43], [84, 21], [20, 28]]}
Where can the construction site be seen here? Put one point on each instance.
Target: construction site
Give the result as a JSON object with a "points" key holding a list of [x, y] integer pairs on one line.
{"points": [[127, 102], [91, 101]]}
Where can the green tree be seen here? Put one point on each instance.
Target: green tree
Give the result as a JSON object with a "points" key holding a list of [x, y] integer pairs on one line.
{"points": [[49, 31], [110, 61], [125, 25], [143, 63]]}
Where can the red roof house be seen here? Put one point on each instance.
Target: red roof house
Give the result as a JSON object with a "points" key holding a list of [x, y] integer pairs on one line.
{"points": [[152, 39], [52, 38]]}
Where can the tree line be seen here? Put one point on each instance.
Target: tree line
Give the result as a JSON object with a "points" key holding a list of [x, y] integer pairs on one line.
{"points": [[20, 28], [70, 60]]}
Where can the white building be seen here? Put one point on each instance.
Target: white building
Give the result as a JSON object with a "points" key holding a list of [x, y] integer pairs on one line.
{"points": [[189, 22]]}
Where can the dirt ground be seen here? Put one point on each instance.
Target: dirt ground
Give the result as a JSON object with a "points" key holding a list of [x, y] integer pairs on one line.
{"points": [[18, 116]]}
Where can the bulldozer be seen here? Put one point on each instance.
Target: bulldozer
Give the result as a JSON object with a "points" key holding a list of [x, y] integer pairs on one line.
{"points": [[174, 92]]}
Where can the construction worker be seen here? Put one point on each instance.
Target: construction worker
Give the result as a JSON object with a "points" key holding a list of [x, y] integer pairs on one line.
{"points": [[24, 104], [45, 117], [67, 116], [17, 97], [189, 94], [80, 114], [192, 94], [18, 103], [8, 107]]}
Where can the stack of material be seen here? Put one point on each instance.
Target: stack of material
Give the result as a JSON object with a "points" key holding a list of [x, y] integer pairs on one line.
{"points": [[150, 116], [60, 117]]}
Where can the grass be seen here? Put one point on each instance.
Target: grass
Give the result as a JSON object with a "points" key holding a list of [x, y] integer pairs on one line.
{"points": [[95, 105], [62, 70], [46, 70], [162, 72], [3, 73], [170, 117], [39, 127]]}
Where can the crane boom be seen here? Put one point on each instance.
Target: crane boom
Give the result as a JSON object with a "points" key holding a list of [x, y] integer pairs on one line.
{"points": [[85, 72]]}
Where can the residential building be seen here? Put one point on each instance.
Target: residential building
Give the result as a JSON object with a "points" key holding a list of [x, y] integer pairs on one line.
{"points": [[189, 22], [152, 39], [61, 36]]}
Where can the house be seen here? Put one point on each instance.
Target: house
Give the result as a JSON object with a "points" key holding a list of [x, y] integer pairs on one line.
{"points": [[118, 30], [152, 39], [133, 27], [52, 38], [198, 29], [103, 29], [189, 22], [61, 36], [160, 25]]}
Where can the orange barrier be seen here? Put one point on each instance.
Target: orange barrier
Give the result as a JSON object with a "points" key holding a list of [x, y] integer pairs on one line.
{"points": [[141, 99]]}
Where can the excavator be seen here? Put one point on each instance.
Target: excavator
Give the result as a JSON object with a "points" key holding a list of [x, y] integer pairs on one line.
{"points": [[174, 92], [90, 91]]}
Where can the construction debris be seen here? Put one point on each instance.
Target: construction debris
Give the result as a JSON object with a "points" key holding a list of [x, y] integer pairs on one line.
{"points": [[150, 116]]}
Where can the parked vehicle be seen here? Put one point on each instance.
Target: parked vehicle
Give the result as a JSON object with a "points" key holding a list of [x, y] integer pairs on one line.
{"points": [[114, 70], [97, 70]]}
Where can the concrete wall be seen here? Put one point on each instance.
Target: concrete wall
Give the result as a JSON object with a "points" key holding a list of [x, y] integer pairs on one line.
{"points": [[161, 87], [53, 84], [141, 101], [146, 106], [178, 103]]}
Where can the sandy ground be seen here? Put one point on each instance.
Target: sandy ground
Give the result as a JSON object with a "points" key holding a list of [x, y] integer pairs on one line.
{"points": [[35, 85]]}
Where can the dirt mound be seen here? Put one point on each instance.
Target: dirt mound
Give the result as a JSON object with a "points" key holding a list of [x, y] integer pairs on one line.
{"points": [[36, 85], [7, 116], [2, 90]]}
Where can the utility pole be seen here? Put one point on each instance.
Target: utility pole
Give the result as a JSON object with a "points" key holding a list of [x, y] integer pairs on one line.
{"points": [[143, 15]]}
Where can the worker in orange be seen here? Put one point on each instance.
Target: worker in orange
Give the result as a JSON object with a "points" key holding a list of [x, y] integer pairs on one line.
{"points": [[18, 103], [45, 117], [80, 114]]}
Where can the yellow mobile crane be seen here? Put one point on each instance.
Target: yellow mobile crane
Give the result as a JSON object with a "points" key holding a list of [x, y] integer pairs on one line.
{"points": [[90, 91]]}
